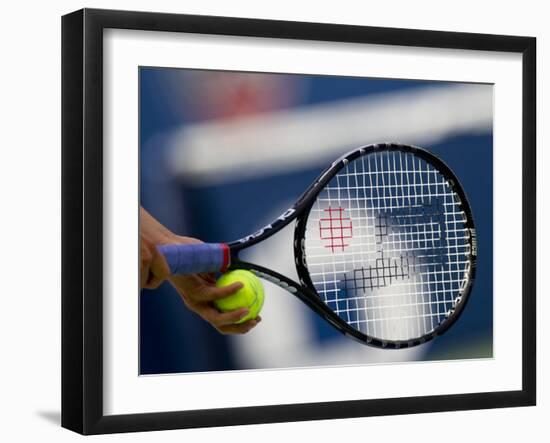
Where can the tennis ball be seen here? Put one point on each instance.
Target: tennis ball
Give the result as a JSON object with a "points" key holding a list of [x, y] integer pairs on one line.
{"points": [[250, 296]]}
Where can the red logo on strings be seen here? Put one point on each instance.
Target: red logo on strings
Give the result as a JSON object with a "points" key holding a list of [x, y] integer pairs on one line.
{"points": [[335, 228]]}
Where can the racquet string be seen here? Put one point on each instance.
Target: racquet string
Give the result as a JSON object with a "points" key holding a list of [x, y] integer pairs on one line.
{"points": [[387, 247]]}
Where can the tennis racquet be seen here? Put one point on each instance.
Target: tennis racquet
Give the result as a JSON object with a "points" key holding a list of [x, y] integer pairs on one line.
{"points": [[384, 244]]}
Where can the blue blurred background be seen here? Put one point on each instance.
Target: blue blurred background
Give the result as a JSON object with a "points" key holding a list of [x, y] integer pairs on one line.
{"points": [[223, 153]]}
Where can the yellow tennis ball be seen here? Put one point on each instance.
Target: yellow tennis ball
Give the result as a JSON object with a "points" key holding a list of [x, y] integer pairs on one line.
{"points": [[250, 296]]}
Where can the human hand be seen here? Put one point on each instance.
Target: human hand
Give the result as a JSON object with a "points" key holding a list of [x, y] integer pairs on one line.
{"points": [[198, 292]]}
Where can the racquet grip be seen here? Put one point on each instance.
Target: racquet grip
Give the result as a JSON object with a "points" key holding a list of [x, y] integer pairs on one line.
{"points": [[197, 258]]}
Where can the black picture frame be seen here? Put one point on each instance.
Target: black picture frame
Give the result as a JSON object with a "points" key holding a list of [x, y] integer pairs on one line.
{"points": [[82, 219]]}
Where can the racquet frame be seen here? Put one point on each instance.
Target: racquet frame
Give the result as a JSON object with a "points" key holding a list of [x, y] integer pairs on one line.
{"points": [[305, 290]]}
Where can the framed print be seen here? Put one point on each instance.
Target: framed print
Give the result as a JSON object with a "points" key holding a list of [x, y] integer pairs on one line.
{"points": [[269, 221]]}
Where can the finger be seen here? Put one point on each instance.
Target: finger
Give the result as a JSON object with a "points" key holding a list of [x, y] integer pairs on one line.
{"points": [[145, 264], [159, 266], [229, 318], [210, 278], [144, 275], [158, 271], [154, 282], [217, 318], [211, 293], [242, 328]]}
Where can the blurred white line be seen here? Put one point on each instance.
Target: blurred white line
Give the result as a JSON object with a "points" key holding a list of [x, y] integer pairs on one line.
{"points": [[224, 150]]}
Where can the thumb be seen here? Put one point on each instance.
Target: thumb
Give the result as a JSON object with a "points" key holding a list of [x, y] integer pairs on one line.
{"points": [[158, 272]]}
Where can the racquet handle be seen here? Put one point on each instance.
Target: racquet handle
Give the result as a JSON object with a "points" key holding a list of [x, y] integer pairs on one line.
{"points": [[197, 258]]}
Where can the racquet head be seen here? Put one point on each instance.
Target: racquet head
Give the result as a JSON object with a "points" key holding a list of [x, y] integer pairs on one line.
{"points": [[388, 243]]}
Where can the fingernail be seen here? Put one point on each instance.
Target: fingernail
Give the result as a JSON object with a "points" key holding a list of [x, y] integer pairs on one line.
{"points": [[244, 313]]}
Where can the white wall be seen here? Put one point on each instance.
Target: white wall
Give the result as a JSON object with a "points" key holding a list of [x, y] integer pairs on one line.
{"points": [[30, 197]]}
